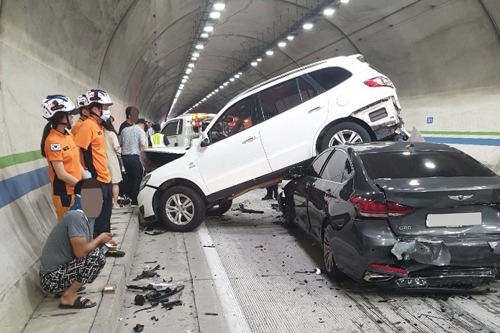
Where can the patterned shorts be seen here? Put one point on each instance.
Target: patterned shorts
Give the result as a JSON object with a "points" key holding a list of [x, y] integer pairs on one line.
{"points": [[84, 270]]}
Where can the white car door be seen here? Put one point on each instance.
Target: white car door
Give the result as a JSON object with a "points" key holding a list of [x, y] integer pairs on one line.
{"points": [[170, 131], [293, 113], [235, 154]]}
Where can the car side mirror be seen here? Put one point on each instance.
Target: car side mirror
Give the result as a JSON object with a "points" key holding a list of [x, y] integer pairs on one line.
{"points": [[296, 172], [205, 142]]}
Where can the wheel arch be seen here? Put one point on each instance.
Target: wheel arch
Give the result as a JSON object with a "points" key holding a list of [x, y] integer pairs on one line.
{"points": [[175, 182], [348, 119]]}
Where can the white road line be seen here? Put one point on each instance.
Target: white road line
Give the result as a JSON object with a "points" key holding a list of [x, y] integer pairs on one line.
{"points": [[235, 318]]}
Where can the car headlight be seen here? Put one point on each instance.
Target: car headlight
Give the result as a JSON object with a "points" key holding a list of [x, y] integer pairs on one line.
{"points": [[144, 181]]}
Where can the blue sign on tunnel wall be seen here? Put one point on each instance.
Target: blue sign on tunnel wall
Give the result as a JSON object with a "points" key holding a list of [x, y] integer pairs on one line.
{"points": [[430, 120]]}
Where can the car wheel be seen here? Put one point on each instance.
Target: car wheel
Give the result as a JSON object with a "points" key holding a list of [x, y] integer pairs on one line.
{"points": [[328, 258], [344, 133], [181, 209], [220, 209], [288, 215]]}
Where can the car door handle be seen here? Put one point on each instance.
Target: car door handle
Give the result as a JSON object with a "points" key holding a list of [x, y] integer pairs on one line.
{"points": [[315, 109], [250, 139]]}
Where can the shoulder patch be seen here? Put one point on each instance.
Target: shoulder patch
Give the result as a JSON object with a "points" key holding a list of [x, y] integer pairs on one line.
{"points": [[55, 147]]}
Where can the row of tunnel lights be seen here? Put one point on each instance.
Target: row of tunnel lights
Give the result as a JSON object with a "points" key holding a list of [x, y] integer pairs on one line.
{"points": [[209, 28], [214, 14]]}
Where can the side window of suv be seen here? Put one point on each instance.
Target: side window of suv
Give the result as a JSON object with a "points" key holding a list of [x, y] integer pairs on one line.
{"points": [[280, 98], [338, 169], [171, 128], [330, 77], [307, 91], [236, 119]]}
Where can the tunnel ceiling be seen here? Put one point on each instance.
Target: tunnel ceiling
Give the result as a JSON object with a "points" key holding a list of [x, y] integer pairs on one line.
{"points": [[139, 49]]}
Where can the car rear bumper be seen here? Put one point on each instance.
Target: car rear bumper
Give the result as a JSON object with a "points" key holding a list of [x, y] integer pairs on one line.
{"points": [[383, 116], [370, 252], [145, 200]]}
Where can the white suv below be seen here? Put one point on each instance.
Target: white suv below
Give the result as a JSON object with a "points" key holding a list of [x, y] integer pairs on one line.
{"points": [[263, 132]]}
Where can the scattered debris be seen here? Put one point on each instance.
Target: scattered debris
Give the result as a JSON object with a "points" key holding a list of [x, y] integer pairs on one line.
{"points": [[155, 233], [208, 245], [138, 328], [151, 262], [317, 271], [148, 273], [139, 300], [250, 211], [154, 318], [211, 314]]}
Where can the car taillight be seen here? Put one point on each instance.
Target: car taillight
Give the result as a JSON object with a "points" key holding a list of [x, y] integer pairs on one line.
{"points": [[379, 81], [370, 208]]}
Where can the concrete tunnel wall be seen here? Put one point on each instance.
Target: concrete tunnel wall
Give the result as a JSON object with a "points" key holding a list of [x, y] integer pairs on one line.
{"points": [[442, 55]]}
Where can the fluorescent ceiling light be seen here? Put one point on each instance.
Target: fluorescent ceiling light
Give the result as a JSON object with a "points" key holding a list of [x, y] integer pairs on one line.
{"points": [[269, 52], [185, 77], [189, 70], [208, 28], [221, 86], [216, 90], [219, 6], [307, 26], [282, 44], [259, 59], [226, 83], [290, 37], [194, 59], [199, 46], [231, 79], [240, 73], [191, 65], [180, 88], [328, 11], [214, 15], [344, 1], [204, 35], [254, 63], [237, 76], [196, 54], [184, 80]]}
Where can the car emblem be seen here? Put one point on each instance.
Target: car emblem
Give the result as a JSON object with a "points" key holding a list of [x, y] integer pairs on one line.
{"points": [[460, 197]]}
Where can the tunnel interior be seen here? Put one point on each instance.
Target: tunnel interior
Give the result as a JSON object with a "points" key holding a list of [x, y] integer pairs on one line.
{"points": [[442, 56]]}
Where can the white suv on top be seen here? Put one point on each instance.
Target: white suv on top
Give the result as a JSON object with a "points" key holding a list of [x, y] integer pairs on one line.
{"points": [[263, 132]]}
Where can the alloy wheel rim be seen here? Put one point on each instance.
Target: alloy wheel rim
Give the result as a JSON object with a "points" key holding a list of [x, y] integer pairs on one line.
{"points": [[179, 209], [327, 254], [345, 136]]}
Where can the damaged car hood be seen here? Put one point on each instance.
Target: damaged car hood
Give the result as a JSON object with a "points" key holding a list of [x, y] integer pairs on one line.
{"points": [[154, 158]]}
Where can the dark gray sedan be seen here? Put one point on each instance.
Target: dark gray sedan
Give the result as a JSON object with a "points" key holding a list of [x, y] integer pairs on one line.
{"points": [[402, 215]]}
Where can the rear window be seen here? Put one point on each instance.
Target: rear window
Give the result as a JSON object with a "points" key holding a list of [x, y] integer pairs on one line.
{"points": [[423, 164], [330, 77]]}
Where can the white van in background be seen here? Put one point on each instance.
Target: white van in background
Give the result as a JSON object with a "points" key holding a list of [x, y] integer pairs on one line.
{"points": [[182, 130]]}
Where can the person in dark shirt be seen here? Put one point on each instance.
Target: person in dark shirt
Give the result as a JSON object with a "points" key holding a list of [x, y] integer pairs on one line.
{"points": [[132, 114]]}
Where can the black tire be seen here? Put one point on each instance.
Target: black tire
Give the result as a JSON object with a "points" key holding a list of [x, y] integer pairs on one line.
{"points": [[220, 209], [288, 214], [343, 131], [193, 213], [328, 257]]}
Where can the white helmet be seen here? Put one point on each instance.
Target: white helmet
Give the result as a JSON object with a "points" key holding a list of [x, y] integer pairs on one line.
{"points": [[98, 96], [82, 101], [57, 103]]}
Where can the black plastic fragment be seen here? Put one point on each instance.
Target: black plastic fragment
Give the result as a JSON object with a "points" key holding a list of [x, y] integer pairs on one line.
{"points": [[139, 300], [138, 328]]}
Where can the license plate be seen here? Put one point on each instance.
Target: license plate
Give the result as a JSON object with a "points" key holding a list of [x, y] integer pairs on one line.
{"points": [[453, 220]]}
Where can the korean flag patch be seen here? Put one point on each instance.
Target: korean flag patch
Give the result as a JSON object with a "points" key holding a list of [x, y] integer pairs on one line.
{"points": [[55, 147]]}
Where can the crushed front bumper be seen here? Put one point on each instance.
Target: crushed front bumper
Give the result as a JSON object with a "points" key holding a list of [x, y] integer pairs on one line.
{"points": [[145, 200]]}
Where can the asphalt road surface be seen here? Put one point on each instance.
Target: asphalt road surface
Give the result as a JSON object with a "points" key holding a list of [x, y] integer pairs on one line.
{"points": [[245, 272]]}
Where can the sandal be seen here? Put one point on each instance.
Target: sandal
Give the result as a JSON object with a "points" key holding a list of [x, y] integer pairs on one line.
{"points": [[80, 303]]}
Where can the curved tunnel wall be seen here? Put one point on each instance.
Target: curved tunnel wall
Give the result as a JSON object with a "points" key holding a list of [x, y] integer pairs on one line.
{"points": [[442, 56]]}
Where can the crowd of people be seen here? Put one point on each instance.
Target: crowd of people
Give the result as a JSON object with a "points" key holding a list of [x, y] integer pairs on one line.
{"points": [[90, 165]]}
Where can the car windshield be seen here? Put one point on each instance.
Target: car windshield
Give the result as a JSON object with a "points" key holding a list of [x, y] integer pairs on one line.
{"points": [[423, 164]]}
